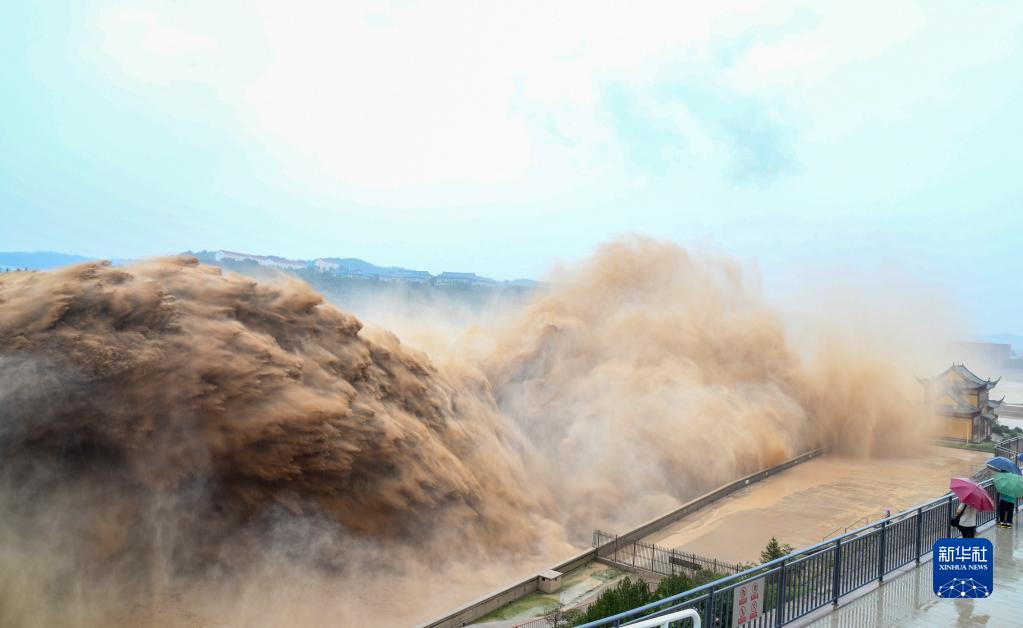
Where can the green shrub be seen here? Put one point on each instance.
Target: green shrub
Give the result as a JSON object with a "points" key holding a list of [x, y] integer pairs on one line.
{"points": [[670, 585], [625, 595], [628, 594], [572, 617]]}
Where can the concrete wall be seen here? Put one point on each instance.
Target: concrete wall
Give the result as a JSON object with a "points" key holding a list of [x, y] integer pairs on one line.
{"points": [[474, 610], [689, 508]]}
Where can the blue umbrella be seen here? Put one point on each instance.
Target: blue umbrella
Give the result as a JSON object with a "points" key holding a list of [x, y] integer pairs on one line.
{"points": [[1001, 463]]}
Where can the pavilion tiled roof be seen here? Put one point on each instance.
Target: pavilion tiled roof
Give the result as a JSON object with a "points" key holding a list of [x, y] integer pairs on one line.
{"points": [[967, 378]]}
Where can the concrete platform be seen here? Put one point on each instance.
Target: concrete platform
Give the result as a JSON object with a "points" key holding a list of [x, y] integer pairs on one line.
{"points": [[578, 586]]}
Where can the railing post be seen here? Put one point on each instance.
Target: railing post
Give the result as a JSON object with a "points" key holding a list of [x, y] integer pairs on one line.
{"points": [[919, 532], [948, 519], [779, 618], [710, 607], [881, 551], [837, 582]]}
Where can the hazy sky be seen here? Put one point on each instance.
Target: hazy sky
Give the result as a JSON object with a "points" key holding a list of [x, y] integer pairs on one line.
{"points": [[870, 142]]}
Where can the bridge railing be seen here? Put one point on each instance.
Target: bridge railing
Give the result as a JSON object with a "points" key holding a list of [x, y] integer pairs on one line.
{"points": [[653, 558], [811, 578], [864, 520], [1010, 448]]}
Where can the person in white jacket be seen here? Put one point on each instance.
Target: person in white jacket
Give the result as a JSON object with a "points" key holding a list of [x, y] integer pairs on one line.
{"points": [[967, 521]]}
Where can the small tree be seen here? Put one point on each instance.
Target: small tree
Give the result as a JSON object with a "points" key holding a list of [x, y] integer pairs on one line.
{"points": [[670, 585], [774, 550], [558, 616], [625, 595]]}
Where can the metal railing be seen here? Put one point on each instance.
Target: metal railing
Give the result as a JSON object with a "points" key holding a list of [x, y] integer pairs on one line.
{"points": [[859, 522], [1010, 448], [660, 560], [664, 621], [548, 622], [537, 622], [812, 578]]}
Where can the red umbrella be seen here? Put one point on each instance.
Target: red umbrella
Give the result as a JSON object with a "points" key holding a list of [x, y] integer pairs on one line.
{"points": [[972, 494]]}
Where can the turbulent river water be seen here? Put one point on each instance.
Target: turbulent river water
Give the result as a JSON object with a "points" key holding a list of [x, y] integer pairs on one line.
{"points": [[184, 446]]}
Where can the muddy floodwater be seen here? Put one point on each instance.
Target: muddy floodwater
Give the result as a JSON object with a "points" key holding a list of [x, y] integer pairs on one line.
{"points": [[816, 500]]}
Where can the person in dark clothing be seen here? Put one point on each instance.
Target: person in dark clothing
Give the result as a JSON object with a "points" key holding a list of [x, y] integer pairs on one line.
{"points": [[1006, 509]]}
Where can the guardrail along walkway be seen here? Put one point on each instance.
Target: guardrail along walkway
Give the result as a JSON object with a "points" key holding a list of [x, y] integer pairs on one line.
{"points": [[815, 577], [907, 600]]}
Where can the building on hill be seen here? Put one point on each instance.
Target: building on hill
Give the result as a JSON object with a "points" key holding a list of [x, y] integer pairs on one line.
{"points": [[962, 402], [355, 267], [271, 261], [448, 278]]}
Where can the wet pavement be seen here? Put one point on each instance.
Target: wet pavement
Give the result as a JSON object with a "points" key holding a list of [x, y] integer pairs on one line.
{"points": [[907, 600], [816, 500]]}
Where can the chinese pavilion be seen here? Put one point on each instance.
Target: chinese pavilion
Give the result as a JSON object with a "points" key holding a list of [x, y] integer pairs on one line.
{"points": [[961, 400]]}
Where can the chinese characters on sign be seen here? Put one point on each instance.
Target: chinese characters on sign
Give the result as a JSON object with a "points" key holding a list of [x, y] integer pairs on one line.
{"points": [[961, 554], [963, 568], [747, 602]]}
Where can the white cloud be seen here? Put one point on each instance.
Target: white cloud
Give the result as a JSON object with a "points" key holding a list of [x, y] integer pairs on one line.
{"points": [[152, 46], [831, 36], [447, 103]]}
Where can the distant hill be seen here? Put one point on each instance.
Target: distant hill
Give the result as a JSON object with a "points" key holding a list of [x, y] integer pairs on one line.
{"points": [[353, 267], [1006, 339], [381, 293], [38, 260], [356, 266], [323, 272]]}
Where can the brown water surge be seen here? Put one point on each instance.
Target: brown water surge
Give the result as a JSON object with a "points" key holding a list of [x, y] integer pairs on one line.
{"points": [[659, 374], [167, 416], [190, 447]]}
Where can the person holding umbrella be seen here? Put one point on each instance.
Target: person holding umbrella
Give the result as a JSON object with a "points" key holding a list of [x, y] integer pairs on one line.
{"points": [[966, 520], [1006, 505], [1003, 464], [974, 500], [1010, 488]]}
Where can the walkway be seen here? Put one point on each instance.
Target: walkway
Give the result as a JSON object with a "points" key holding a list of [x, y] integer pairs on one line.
{"points": [[800, 506], [907, 600], [815, 500]]}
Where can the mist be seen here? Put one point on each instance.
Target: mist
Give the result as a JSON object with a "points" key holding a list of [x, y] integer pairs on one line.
{"points": [[184, 446]]}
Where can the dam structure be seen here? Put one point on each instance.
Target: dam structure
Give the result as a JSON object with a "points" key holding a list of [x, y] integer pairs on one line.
{"points": [[803, 502], [869, 576]]}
